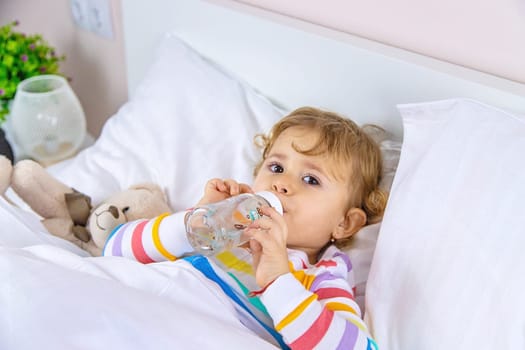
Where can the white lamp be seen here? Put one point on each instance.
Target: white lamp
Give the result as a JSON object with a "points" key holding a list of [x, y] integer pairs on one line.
{"points": [[47, 120]]}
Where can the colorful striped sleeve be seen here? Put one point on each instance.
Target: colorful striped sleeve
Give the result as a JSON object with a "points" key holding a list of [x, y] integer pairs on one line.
{"points": [[149, 240], [317, 309]]}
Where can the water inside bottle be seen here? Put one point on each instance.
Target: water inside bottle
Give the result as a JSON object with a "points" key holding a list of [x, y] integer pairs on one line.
{"points": [[219, 226]]}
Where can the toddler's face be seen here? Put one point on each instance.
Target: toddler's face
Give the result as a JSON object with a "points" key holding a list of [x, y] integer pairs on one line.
{"points": [[314, 201]]}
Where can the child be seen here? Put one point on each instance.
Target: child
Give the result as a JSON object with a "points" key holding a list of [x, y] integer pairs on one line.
{"points": [[325, 170]]}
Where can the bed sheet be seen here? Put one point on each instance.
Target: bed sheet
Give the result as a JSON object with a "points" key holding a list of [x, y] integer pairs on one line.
{"points": [[53, 296]]}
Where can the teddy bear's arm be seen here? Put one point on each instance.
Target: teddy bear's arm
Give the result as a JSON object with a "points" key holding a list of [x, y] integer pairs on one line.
{"points": [[40, 190]]}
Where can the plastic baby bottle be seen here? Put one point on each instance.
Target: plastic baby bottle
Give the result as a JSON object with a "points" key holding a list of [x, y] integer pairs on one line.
{"points": [[219, 226]]}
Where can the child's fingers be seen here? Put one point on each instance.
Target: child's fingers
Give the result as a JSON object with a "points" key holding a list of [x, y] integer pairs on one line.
{"points": [[272, 220], [265, 238], [236, 188], [219, 189], [222, 186], [268, 230], [269, 256], [244, 188], [233, 188], [272, 213], [228, 186], [256, 250], [264, 223], [214, 191], [215, 185]]}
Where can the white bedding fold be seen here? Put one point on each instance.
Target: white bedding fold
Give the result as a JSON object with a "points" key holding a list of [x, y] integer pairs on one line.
{"points": [[52, 298]]}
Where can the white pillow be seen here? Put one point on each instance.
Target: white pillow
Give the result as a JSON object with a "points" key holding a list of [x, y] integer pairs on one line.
{"points": [[188, 121], [448, 270]]}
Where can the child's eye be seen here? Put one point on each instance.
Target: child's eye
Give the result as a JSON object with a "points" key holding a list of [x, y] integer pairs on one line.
{"points": [[275, 168], [311, 180]]}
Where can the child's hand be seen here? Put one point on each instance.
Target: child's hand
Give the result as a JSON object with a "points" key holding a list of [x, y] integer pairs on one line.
{"points": [[219, 189], [268, 245]]}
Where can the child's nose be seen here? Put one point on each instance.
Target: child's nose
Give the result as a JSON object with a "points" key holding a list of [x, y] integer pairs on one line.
{"points": [[280, 188]]}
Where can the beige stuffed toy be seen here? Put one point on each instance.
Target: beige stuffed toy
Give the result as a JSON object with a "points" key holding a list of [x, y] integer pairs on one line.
{"points": [[69, 214]]}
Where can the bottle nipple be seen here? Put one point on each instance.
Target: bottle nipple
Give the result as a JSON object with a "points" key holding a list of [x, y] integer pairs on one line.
{"points": [[272, 199]]}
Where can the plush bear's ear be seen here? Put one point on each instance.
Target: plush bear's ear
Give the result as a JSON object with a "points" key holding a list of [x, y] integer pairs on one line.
{"points": [[141, 201], [146, 186], [79, 207], [153, 188]]}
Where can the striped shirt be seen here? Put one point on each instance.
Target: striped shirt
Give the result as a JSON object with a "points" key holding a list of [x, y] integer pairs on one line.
{"points": [[317, 309]]}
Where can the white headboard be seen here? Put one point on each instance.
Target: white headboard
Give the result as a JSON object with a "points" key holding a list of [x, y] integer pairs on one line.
{"points": [[296, 63]]}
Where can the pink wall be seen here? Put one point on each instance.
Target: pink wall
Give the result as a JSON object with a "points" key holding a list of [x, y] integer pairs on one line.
{"points": [[96, 65], [486, 35]]}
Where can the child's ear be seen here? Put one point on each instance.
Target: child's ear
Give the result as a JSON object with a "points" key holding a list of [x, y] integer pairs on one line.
{"points": [[352, 222]]}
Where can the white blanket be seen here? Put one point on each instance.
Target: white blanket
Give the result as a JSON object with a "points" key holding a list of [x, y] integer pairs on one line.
{"points": [[52, 297]]}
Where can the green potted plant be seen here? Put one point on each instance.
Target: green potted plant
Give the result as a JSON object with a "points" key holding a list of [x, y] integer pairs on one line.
{"points": [[22, 56]]}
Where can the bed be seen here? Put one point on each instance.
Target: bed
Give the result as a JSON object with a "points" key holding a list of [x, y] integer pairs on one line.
{"points": [[444, 269]]}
